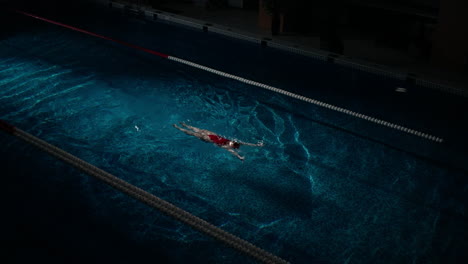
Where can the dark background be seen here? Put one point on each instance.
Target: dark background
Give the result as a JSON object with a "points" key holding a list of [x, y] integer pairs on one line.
{"points": [[431, 35]]}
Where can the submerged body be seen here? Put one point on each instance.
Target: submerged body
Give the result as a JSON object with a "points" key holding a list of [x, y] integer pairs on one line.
{"points": [[209, 136], [220, 141]]}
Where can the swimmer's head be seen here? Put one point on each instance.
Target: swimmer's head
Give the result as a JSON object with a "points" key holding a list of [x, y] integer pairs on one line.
{"points": [[234, 144]]}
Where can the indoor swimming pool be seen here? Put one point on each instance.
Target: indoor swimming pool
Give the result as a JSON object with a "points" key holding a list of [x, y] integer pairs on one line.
{"points": [[327, 187]]}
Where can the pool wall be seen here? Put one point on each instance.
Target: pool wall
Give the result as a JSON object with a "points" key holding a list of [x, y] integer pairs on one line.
{"points": [[154, 14]]}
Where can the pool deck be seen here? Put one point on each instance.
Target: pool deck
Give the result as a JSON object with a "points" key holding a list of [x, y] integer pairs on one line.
{"points": [[358, 46]]}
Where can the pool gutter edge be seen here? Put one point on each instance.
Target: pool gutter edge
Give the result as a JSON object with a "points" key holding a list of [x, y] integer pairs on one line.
{"points": [[366, 66]]}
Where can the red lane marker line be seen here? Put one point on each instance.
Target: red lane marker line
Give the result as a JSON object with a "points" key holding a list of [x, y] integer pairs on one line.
{"points": [[94, 34], [7, 127]]}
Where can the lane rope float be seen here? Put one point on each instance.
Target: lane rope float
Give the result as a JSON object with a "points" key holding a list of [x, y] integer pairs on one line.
{"points": [[312, 101], [147, 198], [250, 82]]}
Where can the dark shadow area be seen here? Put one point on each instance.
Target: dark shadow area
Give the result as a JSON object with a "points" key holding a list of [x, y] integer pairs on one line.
{"points": [[48, 218], [400, 33], [49, 221], [290, 196]]}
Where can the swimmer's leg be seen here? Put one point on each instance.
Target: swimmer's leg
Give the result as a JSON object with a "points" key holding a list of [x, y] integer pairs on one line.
{"points": [[198, 130], [233, 152], [188, 132], [190, 127]]}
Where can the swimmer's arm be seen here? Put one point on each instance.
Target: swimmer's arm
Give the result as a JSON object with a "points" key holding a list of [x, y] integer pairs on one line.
{"points": [[233, 152], [259, 144]]}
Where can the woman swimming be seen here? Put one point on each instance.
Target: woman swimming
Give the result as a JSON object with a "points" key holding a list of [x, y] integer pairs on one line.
{"points": [[209, 136]]}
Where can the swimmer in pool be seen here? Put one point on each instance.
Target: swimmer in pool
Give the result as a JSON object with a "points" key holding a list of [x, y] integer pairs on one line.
{"points": [[208, 136]]}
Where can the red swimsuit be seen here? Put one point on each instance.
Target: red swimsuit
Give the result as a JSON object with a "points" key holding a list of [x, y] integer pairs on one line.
{"points": [[220, 141]]}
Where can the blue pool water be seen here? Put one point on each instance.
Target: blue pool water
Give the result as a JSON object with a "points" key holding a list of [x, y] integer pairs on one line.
{"points": [[326, 188]]}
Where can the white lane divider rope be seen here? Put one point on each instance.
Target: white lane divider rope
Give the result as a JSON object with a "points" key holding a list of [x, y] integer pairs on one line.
{"points": [[312, 101], [148, 198]]}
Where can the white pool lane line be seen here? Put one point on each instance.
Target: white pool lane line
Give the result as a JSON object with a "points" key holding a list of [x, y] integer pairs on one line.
{"points": [[312, 101], [247, 81]]}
